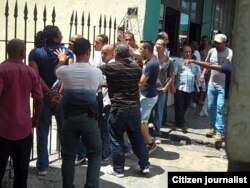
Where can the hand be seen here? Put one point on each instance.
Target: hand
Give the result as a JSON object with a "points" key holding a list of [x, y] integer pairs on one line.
{"points": [[202, 77], [188, 61], [61, 55], [121, 36], [35, 122], [104, 83], [163, 89], [55, 97]]}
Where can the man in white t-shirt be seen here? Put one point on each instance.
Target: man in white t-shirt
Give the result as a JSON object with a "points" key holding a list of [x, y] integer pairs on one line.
{"points": [[81, 82], [99, 42], [221, 54]]}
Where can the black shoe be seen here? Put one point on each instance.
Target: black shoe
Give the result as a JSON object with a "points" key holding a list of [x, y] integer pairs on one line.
{"points": [[184, 130]]}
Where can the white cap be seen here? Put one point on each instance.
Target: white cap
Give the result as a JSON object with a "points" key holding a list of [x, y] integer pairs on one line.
{"points": [[220, 38]]}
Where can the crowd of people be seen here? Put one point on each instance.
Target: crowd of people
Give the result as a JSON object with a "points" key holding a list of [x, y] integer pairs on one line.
{"points": [[105, 107]]}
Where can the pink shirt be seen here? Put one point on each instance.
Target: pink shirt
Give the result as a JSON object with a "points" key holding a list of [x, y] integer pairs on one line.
{"points": [[17, 82]]}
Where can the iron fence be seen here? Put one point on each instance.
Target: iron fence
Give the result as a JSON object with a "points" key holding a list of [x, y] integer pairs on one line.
{"points": [[77, 25]]}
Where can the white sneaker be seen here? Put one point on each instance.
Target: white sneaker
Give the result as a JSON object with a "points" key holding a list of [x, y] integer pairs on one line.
{"points": [[157, 140], [110, 171], [42, 173], [145, 170]]}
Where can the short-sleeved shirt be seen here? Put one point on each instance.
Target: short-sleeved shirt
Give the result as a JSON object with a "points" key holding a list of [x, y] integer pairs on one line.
{"points": [[47, 61], [227, 69], [123, 78], [150, 69], [185, 76], [166, 68], [17, 82], [225, 57], [81, 82]]}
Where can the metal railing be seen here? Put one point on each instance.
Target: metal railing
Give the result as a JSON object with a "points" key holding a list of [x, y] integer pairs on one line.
{"points": [[82, 25], [77, 25]]}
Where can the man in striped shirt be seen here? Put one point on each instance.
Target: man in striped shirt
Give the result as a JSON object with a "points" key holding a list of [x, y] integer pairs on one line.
{"points": [[123, 77]]}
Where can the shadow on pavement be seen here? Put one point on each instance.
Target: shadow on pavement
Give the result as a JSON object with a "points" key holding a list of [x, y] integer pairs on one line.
{"points": [[54, 178], [154, 171], [160, 153]]}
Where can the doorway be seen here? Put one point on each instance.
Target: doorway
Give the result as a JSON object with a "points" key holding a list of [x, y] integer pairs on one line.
{"points": [[172, 18], [194, 32]]}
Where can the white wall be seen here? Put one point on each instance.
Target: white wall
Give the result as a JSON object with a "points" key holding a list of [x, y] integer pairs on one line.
{"points": [[114, 8]]}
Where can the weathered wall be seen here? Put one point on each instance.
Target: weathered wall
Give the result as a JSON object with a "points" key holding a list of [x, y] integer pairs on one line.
{"points": [[114, 8], [238, 128]]}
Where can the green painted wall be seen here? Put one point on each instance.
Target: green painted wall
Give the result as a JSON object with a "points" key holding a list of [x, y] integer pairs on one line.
{"points": [[151, 21], [207, 21]]}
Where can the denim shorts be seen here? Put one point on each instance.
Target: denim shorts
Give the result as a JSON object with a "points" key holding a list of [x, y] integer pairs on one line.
{"points": [[147, 105]]}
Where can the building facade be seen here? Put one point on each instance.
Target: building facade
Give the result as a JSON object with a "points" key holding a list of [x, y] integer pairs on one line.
{"points": [[181, 19], [188, 20]]}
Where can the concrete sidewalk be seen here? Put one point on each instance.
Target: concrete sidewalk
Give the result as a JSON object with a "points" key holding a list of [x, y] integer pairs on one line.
{"points": [[178, 152]]}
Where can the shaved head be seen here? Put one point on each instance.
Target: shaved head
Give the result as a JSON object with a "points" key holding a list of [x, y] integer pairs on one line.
{"points": [[107, 52], [73, 39], [16, 49]]}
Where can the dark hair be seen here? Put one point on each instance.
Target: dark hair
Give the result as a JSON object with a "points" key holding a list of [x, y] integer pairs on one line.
{"points": [[194, 45], [148, 44], [40, 39], [121, 28], [185, 43], [81, 46], [50, 32], [104, 38], [204, 37], [164, 44], [15, 48], [160, 35], [130, 34]]}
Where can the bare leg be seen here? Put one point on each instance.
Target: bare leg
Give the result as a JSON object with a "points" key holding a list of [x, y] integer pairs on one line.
{"points": [[145, 133]]}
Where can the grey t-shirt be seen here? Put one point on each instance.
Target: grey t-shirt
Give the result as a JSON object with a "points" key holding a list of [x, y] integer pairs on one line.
{"points": [[224, 57]]}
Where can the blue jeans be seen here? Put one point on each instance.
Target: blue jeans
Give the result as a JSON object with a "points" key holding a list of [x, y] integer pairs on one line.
{"points": [[158, 113], [42, 131], [86, 127], [216, 101], [147, 105], [165, 110], [129, 120], [105, 132]]}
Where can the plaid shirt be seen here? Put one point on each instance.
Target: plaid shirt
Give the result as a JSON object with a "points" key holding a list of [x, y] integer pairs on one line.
{"points": [[185, 76]]}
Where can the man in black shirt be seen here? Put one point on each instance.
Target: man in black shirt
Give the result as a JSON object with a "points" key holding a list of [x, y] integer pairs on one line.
{"points": [[122, 80]]}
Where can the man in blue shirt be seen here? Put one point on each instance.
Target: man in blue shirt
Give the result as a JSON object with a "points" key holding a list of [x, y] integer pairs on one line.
{"points": [[43, 60], [185, 76], [149, 93], [224, 68]]}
